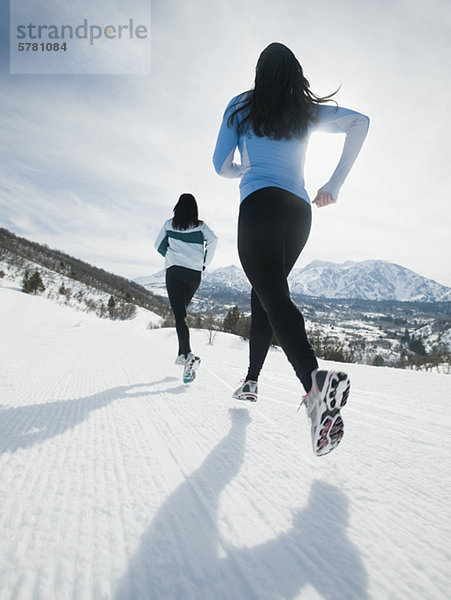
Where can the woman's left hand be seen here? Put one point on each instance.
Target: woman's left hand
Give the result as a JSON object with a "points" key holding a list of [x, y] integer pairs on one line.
{"points": [[323, 199]]}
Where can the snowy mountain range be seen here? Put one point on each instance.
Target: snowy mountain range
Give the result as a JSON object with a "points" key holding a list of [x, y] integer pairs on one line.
{"points": [[366, 280], [365, 331]]}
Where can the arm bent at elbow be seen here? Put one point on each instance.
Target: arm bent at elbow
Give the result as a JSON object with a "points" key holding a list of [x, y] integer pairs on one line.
{"points": [[355, 126], [161, 243], [226, 145], [211, 241]]}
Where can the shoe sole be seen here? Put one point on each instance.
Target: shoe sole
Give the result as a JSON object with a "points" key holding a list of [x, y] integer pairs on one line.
{"points": [[328, 432], [190, 374], [245, 397]]}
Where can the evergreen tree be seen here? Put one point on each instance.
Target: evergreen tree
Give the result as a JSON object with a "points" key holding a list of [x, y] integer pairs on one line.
{"points": [[32, 284], [36, 283], [243, 327], [26, 282], [112, 307], [231, 320], [416, 345], [378, 361], [405, 338]]}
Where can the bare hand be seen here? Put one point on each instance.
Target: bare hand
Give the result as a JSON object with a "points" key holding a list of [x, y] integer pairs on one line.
{"points": [[323, 199]]}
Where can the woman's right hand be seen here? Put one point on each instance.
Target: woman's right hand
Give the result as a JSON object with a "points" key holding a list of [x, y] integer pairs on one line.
{"points": [[323, 199]]}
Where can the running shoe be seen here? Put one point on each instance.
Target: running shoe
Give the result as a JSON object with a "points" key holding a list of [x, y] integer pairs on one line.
{"points": [[329, 393], [247, 391], [180, 360], [191, 365]]}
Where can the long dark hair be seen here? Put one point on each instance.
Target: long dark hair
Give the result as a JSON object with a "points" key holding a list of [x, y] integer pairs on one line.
{"points": [[281, 105], [186, 213]]}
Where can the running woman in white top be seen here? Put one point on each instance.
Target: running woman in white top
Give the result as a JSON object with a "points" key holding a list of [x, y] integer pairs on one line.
{"points": [[270, 125], [188, 246]]}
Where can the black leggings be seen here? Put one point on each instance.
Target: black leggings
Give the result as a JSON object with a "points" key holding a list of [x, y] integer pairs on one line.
{"points": [[181, 284], [273, 228]]}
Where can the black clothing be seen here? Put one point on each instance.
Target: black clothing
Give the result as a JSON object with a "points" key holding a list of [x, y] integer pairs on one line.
{"points": [[273, 227], [181, 284]]}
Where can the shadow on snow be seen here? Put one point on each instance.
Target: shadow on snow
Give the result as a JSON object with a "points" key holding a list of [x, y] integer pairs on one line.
{"points": [[178, 555], [25, 426]]}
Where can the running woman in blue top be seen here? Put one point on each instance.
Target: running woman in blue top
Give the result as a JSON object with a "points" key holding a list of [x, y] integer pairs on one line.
{"points": [[188, 246], [270, 125]]}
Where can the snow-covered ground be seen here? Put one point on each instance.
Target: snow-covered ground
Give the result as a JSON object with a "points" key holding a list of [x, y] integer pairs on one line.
{"points": [[118, 481]]}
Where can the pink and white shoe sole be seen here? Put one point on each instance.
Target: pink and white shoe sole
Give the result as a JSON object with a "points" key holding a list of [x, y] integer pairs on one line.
{"points": [[327, 424]]}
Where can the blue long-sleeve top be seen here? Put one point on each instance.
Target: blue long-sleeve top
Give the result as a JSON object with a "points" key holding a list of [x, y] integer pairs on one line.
{"points": [[266, 162]]}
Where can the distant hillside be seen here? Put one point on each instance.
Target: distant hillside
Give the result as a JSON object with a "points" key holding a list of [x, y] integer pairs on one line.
{"points": [[18, 254]]}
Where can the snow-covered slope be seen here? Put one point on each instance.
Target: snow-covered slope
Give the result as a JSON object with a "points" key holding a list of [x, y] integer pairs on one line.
{"points": [[367, 280], [119, 482]]}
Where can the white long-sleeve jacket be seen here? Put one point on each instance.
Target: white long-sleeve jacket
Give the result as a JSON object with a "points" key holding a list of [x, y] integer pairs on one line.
{"points": [[191, 248]]}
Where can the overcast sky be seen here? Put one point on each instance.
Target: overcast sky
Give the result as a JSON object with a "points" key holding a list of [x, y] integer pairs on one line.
{"points": [[93, 164]]}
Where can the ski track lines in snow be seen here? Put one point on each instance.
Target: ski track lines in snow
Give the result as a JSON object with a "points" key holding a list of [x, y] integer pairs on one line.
{"points": [[119, 482]]}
